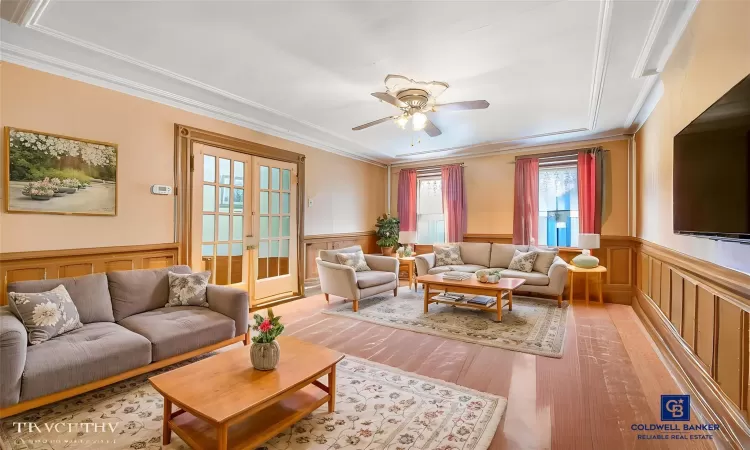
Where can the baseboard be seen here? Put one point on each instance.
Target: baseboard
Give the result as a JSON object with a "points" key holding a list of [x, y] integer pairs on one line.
{"points": [[708, 400]]}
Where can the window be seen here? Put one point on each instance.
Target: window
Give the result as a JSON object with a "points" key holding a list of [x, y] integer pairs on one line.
{"points": [[430, 221], [558, 203]]}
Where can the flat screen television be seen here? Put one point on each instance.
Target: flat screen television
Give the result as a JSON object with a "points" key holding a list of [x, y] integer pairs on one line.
{"points": [[711, 187]]}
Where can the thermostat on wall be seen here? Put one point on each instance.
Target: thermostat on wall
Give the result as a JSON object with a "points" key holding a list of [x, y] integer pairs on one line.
{"points": [[160, 189]]}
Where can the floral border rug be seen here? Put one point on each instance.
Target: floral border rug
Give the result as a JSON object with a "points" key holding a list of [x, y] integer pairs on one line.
{"points": [[535, 325], [377, 407]]}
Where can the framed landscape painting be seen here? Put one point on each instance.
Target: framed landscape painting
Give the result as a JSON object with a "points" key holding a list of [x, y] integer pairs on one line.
{"points": [[51, 174]]}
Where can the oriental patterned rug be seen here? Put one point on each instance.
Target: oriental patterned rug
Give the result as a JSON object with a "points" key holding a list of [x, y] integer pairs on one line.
{"points": [[377, 407], [535, 325]]}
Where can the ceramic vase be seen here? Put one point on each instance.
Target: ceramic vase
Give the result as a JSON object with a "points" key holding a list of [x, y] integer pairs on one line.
{"points": [[265, 356]]}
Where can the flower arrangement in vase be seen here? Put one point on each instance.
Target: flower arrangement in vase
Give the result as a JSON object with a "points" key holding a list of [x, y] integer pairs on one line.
{"points": [[265, 351]]}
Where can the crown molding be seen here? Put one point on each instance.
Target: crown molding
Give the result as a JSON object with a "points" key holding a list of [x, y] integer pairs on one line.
{"points": [[521, 148], [39, 61], [601, 61]]}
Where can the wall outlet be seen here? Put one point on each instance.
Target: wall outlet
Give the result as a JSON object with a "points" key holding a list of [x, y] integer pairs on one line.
{"points": [[309, 203]]}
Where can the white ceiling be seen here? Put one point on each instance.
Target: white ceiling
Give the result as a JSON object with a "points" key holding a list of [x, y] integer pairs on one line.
{"points": [[551, 70]]}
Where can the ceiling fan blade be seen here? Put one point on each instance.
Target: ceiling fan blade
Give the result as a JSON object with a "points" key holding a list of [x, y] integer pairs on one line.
{"points": [[374, 122], [388, 98], [431, 129], [462, 106]]}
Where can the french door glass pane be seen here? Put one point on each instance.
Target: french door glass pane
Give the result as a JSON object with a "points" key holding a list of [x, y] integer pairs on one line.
{"points": [[274, 202], [264, 202], [239, 200], [239, 173], [209, 198], [224, 171], [223, 228], [263, 177], [208, 228], [275, 178], [237, 228], [285, 203], [209, 168], [264, 227], [224, 199], [285, 226], [286, 179], [274, 226], [207, 250]]}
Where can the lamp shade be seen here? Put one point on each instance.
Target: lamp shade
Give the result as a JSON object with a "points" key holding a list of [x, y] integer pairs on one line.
{"points": [[407, 237], [588, 241]]}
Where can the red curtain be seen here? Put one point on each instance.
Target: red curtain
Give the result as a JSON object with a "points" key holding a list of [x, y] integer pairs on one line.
{"points": [[407, 199], [526, 201], [590, 191], [454, 202]]}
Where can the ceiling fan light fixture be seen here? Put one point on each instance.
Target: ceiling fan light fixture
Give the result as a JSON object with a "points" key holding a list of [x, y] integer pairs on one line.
{"points": [[402, 121], [419, 120]]}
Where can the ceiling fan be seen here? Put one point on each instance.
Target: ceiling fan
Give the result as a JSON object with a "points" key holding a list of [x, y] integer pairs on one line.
{"points": [[415, 99]]}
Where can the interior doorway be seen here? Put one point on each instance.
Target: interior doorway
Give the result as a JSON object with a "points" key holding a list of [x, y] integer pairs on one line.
{"points": [[241, 217]]}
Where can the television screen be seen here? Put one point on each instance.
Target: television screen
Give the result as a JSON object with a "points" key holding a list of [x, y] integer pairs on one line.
{"points": [[712, 169]]}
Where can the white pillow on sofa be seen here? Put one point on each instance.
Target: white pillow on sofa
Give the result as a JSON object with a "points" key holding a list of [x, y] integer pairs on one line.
{"points": [[544, 259], [523, 262], [447, 255]]}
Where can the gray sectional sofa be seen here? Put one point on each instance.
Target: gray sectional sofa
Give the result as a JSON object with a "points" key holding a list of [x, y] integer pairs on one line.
{"points": [[479, 256], [126, 330]]}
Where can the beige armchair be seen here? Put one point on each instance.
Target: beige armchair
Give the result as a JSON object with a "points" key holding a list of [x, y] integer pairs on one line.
{"points": [[343, 281]]}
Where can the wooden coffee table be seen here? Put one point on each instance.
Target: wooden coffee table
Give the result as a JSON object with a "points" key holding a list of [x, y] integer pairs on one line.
{"points": [[225, 403], [504, 288]]}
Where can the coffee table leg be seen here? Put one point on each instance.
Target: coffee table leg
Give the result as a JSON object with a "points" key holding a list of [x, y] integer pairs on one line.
{"points": [[222, 436], [510, 300], [332, 389], [426, 297], [166, 431], [499, 306]]}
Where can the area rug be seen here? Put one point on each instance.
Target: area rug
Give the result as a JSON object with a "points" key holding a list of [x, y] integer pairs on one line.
{"points": [[377, 407], [535, 325]]}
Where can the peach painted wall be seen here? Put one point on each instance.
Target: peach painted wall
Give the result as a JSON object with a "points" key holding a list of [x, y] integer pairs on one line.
{"points": [[489, 188], [712, 56], [347, 194]]}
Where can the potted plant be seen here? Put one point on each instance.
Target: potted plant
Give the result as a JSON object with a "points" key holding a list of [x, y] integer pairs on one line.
{"points": [[265, 351], [387, 231], [70, 185], [57, 187], [39, 190]]}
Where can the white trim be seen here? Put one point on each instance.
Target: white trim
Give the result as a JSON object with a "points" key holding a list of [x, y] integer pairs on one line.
{"points": [[601, 61], [643, 94], [649, 104], [656, 23], [680, 28], [39, 61], [518, 149]]}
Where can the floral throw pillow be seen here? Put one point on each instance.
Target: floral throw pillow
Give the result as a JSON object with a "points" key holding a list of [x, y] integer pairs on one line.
{"points": [[45, 314], [523, 262], [354, 260], [188, 289], [447, 255]]}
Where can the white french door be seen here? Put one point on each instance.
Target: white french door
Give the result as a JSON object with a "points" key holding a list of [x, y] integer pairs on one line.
{"points": [[275, 218], [244, 222]]}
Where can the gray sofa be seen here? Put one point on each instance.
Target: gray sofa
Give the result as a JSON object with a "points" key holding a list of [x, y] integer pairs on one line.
{"points": [[479, 256], [125, 327], [341, 280]]}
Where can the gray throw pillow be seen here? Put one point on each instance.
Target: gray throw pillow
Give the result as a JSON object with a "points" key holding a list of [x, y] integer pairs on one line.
{"points": [[45, 314], [188, 289], [544, 259], [447, 255], [354, 260], [523, 262]]}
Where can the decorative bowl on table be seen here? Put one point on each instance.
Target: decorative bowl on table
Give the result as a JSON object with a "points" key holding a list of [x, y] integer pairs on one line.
{"points": [[485, 276]]}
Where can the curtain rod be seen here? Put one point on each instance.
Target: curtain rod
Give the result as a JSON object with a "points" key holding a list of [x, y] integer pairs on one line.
{"points": [[426, 168], [562, 154]]}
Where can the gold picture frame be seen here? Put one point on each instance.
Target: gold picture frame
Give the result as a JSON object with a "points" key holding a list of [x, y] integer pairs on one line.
{"points": [[48, 173]]}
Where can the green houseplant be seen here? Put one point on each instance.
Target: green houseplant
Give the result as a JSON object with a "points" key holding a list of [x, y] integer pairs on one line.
{"points": [[387, 231], [265, 351]]}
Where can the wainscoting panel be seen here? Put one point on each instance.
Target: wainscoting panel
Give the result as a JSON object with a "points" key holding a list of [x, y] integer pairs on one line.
{"points": [[74, 263], [701, 313], [314, 244]]}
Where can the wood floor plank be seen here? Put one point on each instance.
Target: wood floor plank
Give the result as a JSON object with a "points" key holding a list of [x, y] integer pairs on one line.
{"points": [[608, 378]]}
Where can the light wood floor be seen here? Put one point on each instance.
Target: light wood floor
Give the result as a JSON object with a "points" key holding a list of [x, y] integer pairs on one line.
{"points": [[609, 378]]}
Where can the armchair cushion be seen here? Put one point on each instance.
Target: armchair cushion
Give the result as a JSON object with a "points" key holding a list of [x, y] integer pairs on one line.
{"points": [[330, 255], [13, 343], [374, 278]]}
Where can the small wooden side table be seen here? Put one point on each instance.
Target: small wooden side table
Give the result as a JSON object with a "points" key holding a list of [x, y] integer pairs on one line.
{"points": [[575, 269], [409, 262]]}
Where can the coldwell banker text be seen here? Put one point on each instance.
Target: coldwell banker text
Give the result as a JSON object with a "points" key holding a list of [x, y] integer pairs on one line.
{"points": [[61, 427]]}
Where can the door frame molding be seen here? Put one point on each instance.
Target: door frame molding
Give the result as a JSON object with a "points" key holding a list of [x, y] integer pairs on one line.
{"points": [[185, 138]]}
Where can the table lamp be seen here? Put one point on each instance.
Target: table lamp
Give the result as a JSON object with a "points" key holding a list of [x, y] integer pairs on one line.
{"points": [[587, 242], [407, 238]]}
